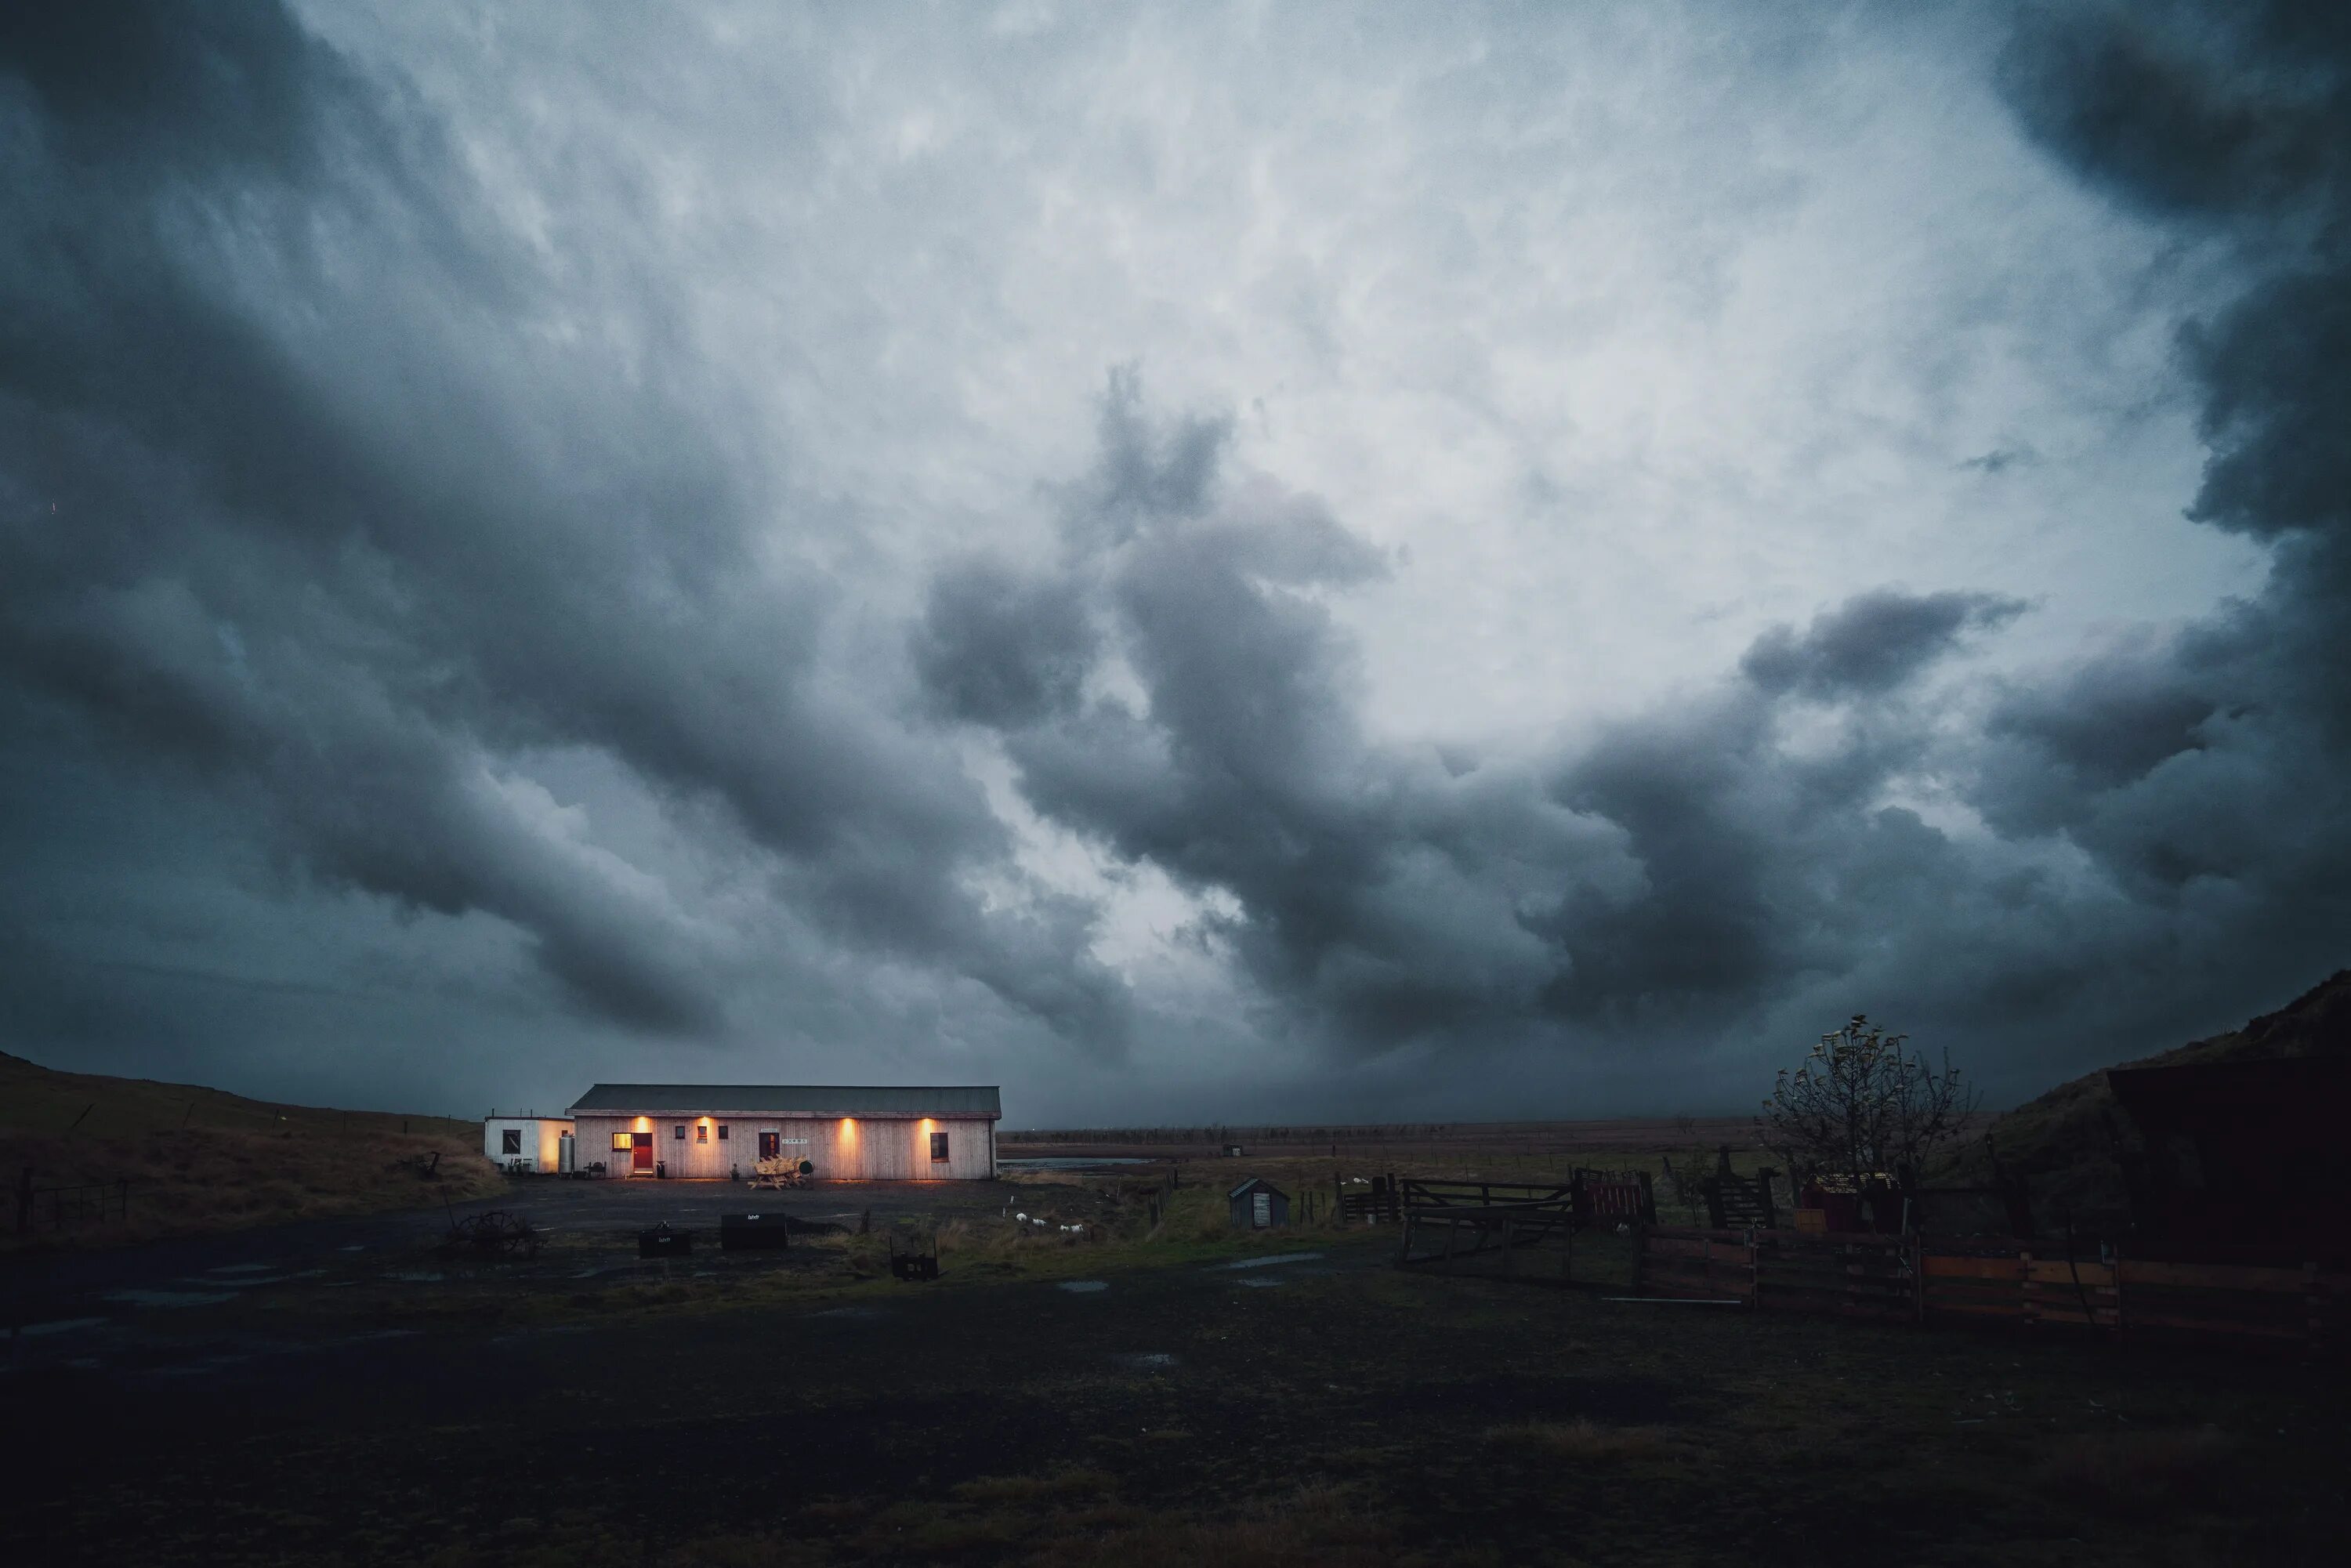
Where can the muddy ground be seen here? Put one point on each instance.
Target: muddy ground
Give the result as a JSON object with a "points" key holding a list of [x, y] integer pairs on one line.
{"points": [[342, 1395]]}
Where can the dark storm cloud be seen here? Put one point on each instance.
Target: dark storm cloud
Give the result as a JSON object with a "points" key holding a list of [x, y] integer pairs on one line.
{"points": [[322, 516], [1872, 642], [996, 649], [2162, 825], [2001, 459], [1683, 869], [302, 503]]}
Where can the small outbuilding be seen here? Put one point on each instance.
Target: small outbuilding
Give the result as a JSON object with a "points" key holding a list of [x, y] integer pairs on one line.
{"points": [[1258, 1205], [2241, 1158], [530, 1142]]}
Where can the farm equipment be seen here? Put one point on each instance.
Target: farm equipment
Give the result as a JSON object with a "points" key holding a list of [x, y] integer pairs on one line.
{"points": [[661, 1241], [912, 1265], [424, 1167], [754, 1232], [496, 1234]]}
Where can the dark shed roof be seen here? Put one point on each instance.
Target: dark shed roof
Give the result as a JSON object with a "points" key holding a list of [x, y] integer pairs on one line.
{"points": [[1254, 1182], [788, 1100]]}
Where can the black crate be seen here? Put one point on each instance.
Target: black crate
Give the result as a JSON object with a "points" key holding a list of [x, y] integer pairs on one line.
{"points": [[660, 1241], [754, 1232]]}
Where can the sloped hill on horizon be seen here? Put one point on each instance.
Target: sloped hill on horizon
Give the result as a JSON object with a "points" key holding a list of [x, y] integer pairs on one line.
{"points": [[2062, 1140], [203, 1159]]}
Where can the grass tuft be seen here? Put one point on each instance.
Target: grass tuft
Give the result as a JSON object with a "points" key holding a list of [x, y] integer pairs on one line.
{"points": [[1582, 1440], [2136, 1472]]}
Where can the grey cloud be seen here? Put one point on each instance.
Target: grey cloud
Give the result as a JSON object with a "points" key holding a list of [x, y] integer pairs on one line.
{"points": [[1683, 869], [1872, 642], [998, 649], [320, 520], [2001, 459], [346, 537], [2189, 109]]}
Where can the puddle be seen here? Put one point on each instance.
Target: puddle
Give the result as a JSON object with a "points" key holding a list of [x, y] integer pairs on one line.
{"points": [[1084, 1287], [1269, 1262], [250, 1281], [417, 1276], [1263, 1284], [61, 1325], [373, 1337], [200, 1368], [171, 1298], [1146, 1360]]}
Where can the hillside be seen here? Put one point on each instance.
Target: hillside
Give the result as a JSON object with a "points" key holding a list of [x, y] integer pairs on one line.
{"points": [[201, 1159], [2061, 1141]]}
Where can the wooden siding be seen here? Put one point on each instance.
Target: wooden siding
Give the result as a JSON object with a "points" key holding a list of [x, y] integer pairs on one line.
{"points": [[872, 1148]]}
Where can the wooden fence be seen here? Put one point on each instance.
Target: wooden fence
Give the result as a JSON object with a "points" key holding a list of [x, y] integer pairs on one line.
{"points": [[1381, 1203], [62, 1207], [1910, 1279]]}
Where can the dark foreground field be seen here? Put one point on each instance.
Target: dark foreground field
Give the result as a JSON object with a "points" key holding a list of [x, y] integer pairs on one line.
{"points": [[350, 1398]]}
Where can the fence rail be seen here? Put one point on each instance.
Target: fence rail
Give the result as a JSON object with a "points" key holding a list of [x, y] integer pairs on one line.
{"points": [[60, 1207], [1926, 1279]]}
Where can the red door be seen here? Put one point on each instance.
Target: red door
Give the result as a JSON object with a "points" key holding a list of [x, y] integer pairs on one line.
{"points": [[641, 1151]]}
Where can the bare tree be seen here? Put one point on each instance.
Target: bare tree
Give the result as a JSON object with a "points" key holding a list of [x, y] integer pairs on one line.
{"points": [[1862, 1105]]}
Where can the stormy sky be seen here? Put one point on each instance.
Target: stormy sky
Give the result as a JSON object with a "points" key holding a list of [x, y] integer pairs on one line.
{"points": [[1259, 561]]}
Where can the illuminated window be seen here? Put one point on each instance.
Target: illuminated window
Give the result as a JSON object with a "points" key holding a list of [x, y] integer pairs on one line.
{"points": [[510, 1141], [702, 1131], [680, 1135], [939, 1148], [621, 1140], [722, 1132]]}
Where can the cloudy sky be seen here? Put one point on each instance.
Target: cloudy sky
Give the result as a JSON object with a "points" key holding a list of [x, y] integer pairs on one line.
{"points": [[1270, 560]]}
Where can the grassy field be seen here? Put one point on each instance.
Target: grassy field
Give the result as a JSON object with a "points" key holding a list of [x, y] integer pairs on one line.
{"points": [[1123, 1395], [199, 1159]]}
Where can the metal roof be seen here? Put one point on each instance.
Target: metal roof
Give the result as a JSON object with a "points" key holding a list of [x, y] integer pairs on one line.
{"points": [[787, 1100], [1255, 1182]]}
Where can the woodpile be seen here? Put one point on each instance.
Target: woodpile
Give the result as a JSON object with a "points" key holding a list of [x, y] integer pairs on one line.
{"points": [[779, 1172]]}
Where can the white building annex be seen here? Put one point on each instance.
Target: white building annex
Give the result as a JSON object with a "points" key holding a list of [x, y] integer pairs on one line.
{"points": [[535, 1144], [844, 1132]]}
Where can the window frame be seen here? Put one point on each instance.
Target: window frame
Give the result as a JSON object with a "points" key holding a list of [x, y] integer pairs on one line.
{"points": [[624, 1141], [509, 1140], [678, 1136], [939, 1147]]}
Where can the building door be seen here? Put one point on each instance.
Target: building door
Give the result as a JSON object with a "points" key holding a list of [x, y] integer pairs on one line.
{"points": [[769, 1143], [1261, 1209], [641, 1151]]}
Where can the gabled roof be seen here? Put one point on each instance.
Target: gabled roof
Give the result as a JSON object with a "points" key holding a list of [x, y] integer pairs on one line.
{"points": [[1255, 1182], [787, 1100]]}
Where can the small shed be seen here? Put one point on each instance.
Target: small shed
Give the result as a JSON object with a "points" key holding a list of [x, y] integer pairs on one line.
{"points": [[1258, 1205], [2241, 1158], [527, 1142]]}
